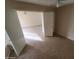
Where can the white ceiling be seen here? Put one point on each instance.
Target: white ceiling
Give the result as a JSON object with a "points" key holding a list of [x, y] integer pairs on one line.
{"points": [[66, 2], [47, 2]]}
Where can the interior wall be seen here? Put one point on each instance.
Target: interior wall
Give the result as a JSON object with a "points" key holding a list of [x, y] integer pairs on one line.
{"points": [[33, 7], [7, 42], [7, 39], [64, 24], [29, 18], [13, 27]]}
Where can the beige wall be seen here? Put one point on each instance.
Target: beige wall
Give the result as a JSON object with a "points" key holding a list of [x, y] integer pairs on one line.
{"points": [[30, 18], [13, 28], [64, 24], [33, 7]]}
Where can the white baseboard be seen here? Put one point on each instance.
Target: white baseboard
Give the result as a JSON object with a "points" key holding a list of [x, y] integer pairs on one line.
{"points": [[64, 36]]}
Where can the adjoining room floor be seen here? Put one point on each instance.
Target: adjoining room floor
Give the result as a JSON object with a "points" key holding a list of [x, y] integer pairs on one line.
{"points": [[33, 33]]}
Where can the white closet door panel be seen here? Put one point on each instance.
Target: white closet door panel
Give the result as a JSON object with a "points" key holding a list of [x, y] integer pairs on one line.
{"points": [[48, 23]]}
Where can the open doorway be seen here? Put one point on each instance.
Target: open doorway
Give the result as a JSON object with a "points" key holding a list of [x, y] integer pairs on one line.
{"points": [[31, 24]]}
